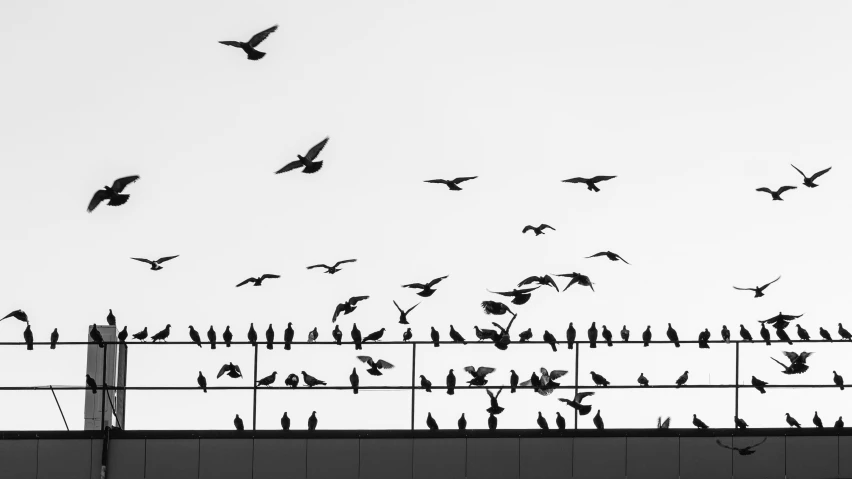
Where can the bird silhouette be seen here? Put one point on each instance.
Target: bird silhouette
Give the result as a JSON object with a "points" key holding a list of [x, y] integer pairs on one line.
{"points": [[781, 320], [742, 451], [292, 380], [764, 333], [593, 336], [519, 296], [591, 183], [110, 318], [268, 380], [483, 334], [551, 340], [227, 336], [844, 334], [599, 380], [758, 384], [802, 333], [211, 337], [646, 337], [453, 184], [797, 362], [451, 383], [839, 423], [18, 314], [141, 335], [524, 336], [610, 256], [625, 333], [425, 383], [513, 381], [817, 420], [534, 381], [545, 280], [739, 423], [776, 195], [406, 335], [538, 231], [436, 337], [809, 181], [285, 422], [249, 46], [157, 264], [542, 422], [374, 336], [455, 336], [354, 380], [202, 382], [838, 380], [745, 334], [231, 369], [698, 422], [427, 289], [375, 366], [726, 334], [503, 339], [311, 381], [252, 335], [337, 334], [193, 335], [494, 407], [824, 334], [547, 381], [90, 382], [606, 334], [112, 194], [703, 338], [598, 421], [560, 421], [642, 380], [289, 334], [347, 307], [258, 281], [54, 338], [792, 421], [28, 337], [663, 424], [478, 375], [681, 380], [431, 423], [462, 423], [576, 403], [403, 314], [314, 334], [782, 335], [308, 163], [571, 335], [333, 268], [758, 290], [495, 307], [94, 333], [577, 278], [313, 421], [672, 335], [492, 422], [356, 336]]}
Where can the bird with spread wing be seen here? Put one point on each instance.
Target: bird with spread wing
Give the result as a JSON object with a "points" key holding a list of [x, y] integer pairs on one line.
{"points": [[112, 194], [258, 281], [453, 185], [809, 181], [797, 362], [347, 307], [375, 366], [591, 183], [231, 369], [333, 268], [742, 451], [155, 265], [249, 46], [478, 375], [758, 290], [308, 162]]}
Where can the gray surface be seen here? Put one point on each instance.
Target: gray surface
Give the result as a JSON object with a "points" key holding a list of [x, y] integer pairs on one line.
{"points": [[655, 457], [497, 458], [332, 458], [18, 458], [64, 459], [439, 458], [599, 458], [226, 459], [126, 459], [97, 448], [845, 456], [809, 457], [546, 458], [171, 458], [386, 458], [702, 458], [767, 461], [272, 456]]}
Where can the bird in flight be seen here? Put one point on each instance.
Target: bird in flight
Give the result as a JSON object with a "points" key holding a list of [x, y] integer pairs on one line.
{"points": [[742, 451], [249, 46], [403, 314], [426, 288], [495, 307], [308, 161], [539, 230], [577, 278], [519, 296], [375, 366], [610, 256], [258, 281], [231, 369], [478, 375], [333, 268], [112, 193], [155, 265], [576, 403], [776, 195], [781, 320], [797, 362], [547, 381], [453, 185], [809, 181], [494, 408], [758, 290], [18, 314], [545, 280], [589, 182], [347, 307]]}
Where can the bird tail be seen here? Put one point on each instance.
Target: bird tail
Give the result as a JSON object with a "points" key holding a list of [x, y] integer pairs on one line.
{"points": [[254, 54], [355, 390], [593, 345], [52, 346], [677, 344], [553, 345], [571, 345], [30, 347], [269, 346], [450, 392], [212, 345], [287, 346], [205, 389], [358, 346]]}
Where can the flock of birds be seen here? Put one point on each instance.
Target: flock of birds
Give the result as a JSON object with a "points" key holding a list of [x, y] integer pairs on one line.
{"points": [[541, 382]]}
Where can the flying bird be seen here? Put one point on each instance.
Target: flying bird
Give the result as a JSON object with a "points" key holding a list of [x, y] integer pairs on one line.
{"points": [[375, 366], [758, 384], [268, 380], [797, 362], [332, 269], [776, 195], [112, 194], [202, 381], [258, 281], [758, 290], [403, 314], [494, 408], [193, 335], [18, 314], [156, 265], [347, 307], [589, 182], [742, 451], [453, 185], [426, 289], [538, 231], [478, 375], [374, 336], [781, 320], [311, 381], [577, 278], [809, 181], [231, 369], [547, 382], [576, 403], [249, 46], [308, 161], [545, 280], [519, 296], [610, 256], [496, 308]]}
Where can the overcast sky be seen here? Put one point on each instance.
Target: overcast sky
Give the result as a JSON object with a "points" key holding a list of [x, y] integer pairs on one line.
{"points": [[692, 106]]}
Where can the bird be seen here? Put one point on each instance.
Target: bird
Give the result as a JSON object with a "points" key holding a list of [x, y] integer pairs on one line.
{"points": [[431, 423], [112, 194], [110, 318], [356, 336], [642, 380], [809, 181], [252, 335], [268, 380], [496, 308], [289, 334], [545, 280], [337, 334], [571, 335], [482, 334], [492, 422], [54, 337], [783, 336], [598, 421], [792, 421], [478, 375], [285, 422], [797, 362], [202, 381], [745, 334], [258, 281], [538, 231], [524, 336], [375, 366], [347, 307], [577, 278], [292, 380], [494, 408], [406, 335], [503, 339], [698, 422], [758, 290], [311, 381], [374, 336], [313, 421], [547, 382], [802, 333], [534, 381], [703, 339], [625, 334], [646, 337], [455, 336], [513, 381], [764, 333], [825, 335], [90, 382], [726, 334], [740, 423], [606, 334], [610, 256], [453, 184], [551, 340], [314, 334], [231, 369], [249, 46], [94, 333], [542, 422], [599, 380], [817, 420], [436, 337], [141, 335], [776, 195], [781, 320], [333, 268], [576, 403], [451, 383], [682, 379], [663, 424], [227, 336], [844, 334], [672, 335], [519, 296], [18, 314], [425, 383], [426, 289], [593, 336], [211, 337], [839, 423], [403, 314], [838, 380], [758, 384], [308, 163], [156, 265], [28, 337], [354, 380], [589, 182], [193, 335], [462, 423], [742, 451]]}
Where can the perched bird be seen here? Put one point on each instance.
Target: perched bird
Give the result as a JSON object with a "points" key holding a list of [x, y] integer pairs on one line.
{"points": [[745, 334], [462, 423], [599, 380], [478, 375], [740, 423], [589, 182], [776, 195], [285, 422], [94, 333], [313, 421], [577, 278], [682, 379], [496, 308], [347, 307], [292, 381], [249, 46], [451, 383], [792, 421], [337, 334], [764, 333], [625, 334], [426, 289], [232, 369], [90, 382], [431, 423], [593, 336], [571, 335], [824, 334], [193, 335], [802, 333], [606, 334], [494, 408], [672, 335], [436, 337], [18, 314], [252, 335], [519, 296], [545, 280], [797, 362], [503, 339], [403, 314], [406, 336], [333, 268], [258, 281], [742, 451], [268, 380], [758, 290], [576, 403], [110, 318], [758, 384], [524, 336], [356, 336], [492, 422], [817, 420], [455, 336], [703, 338], [642, 380], [308, 163], [482, 334], [646, 337], [598, 421], [838, 380], [698, 422], [28, 338], [551, 340], [374, 336], [839, 423], [513, 381], [425, 383], [809, 181], [289, 334], [453, 185], [227, 336], [726, 335], [538, 231], [663, 424], [844, 334], [156, 265], [783, 336], [211, 337], [542, 422], [534, 381], [375, 366], [354, 380], [54, 337], [202, 381], [610, 256], [112, 194], [314, 334], [311, 381], [141, 335]]}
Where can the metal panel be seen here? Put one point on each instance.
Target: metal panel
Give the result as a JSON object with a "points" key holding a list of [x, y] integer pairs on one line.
{"points": [[386, 458], [599, 458], [809, 457], [278, 458], [171, 458], [18, 458], [64, 458], [226, 459], [97, 451], [126, 459], [767, 461], [845, 456], [545, 458], [439, 458], [95, 369], [497, 458], [332, 458], [702, 458], [653, 457]]}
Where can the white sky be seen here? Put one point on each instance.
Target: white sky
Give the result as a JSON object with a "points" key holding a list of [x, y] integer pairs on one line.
{"points": [[692, 106]]}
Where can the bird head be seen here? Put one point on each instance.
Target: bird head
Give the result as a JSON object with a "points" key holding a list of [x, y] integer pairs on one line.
{"points": [[168, 326], [274, 373]]}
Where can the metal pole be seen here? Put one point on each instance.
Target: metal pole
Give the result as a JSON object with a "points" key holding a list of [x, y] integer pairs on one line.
{"points": [[413, 365], [737, 385], [254, 401], [576, 377], [60, 409], [104, 389]]}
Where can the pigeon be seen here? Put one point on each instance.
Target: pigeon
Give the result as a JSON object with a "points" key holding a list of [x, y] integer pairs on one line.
{"points": [[18, 314], [496, 308], [227, 336], [782, 335], [425, 383], [289, 334], [781, 320], [451, 383], [538, 231], [94, 333], [817, 420], [494, 408], [824, 334], [672, 335], [797, 362], [764, 333], [249, 46], [292, 381], [576, 403], [312, 421], [314, 334], [482, 334], [547, 382], [141, 335], [112, 194], [513, 381], [436, 337], [838, 380], [606, 334], [455, 336], [802, 333], [703, 338], [598, 421], [356, 336], [430, 421], [519, 296], [577, 278], [560, 421], [193, 335], [776, 195], [534, 381], [503, 339], [809, 181], [426, 289], [844, 334], [726, 334], [28, 338], [758, 384], [308, 162], [745, 334], [337, 334], [258, 281], [202, 381], [333, 268], [462, 423], [698, 422], [268, 380], [311, 381], [525, 336], [453, 185], [593, 336], [839, 423], [740, 423], [610, 256], [792, 421], [589, 182], [682, 379], [406, 336], [492, 422], [374, 336], [110, 318], [551, 340], [90, 382], [403, 314], [642, 380], [646, 337], [571, 335], [545, 280], [542, 422], [252, 335], [354, 380], [54, 337], [285, 422], [232, 369], [156, 265], [758, 290], [742, 451], [625, 334], [478, 375], [211, 337], [663, 424], [347, 307], [599, 380], [375, 366]]}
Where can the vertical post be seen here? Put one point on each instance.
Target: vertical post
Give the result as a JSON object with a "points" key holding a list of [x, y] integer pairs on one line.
{"points": [[576, 377], [121, 383], [254, 400], [105, 390], [413, 365], [737, 384]]}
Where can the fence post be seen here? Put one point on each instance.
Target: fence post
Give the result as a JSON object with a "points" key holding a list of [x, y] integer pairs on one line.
{"points": [[576, 377], [413, 366]]}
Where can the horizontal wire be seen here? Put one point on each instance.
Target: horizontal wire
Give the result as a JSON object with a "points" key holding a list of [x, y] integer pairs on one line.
{"points": [[408, 388], [317, 343]]}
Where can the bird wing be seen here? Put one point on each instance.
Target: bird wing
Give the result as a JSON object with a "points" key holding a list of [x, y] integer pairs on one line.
{"points": [[726, 446], [805, 355], [232, 43], [340, 307], [364, 359], [575, 180], [470, 370], [579, 396], [247, 281], [765, 190], [527, 228], [120, 184], [259, 37], [791, 356], [785, 188], [569, 275], [744, 289], [99, 196], [509, 293], [525, 383], [444, 182], [525, 290], [315, 150], [290, 166], [411, 308], [543, 226], [461, 179], [818, 174], [265, 276], [354, 299], [237, 370], [602, 253], [415, 285], [319, 266], [344, 261], [601, 178], [755, 445], [398, 308], [779, 362], [436, 281], [557, 374], [800, 171], [143, 260], [482, 371], [382, 364], [166, 258], [222, 371]]}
